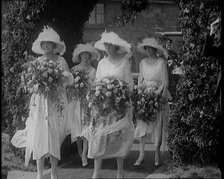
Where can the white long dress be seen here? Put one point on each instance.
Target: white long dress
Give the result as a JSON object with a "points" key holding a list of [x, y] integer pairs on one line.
{"points": [[106, 143], [76, 113], [45, 128], [150, 74]]}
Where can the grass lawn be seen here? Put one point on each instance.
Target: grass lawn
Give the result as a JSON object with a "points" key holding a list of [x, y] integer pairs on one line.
{"points": [[9, 160], [191, 171]]}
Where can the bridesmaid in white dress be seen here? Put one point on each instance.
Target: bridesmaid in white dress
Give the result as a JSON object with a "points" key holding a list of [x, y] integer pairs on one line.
{"points": [[45, 128], [153, 69], [116, 65], [83, 55]]}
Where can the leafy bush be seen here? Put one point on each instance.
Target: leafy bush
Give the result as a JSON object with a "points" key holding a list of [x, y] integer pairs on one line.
{"points": [[193, 128], [22, 23], [19, 24]]}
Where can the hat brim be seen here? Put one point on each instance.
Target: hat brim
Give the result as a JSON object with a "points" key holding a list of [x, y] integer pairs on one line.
{"points": [[94, 56], [101, 46], [159, 49], [60, 47]]}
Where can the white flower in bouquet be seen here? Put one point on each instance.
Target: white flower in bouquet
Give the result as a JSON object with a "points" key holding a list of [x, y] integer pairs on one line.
{"points": [[118, 100], [77, 79], [45, 74], [123, 96], [115, 90], [33, 77], [109, 86], [35, 88], [108, 94], [56, 72], [50, 79], [47, 89], [29, 83], [98, 88], [29, 69], [139, 102], [50, 70], [97, 93], [45, 58], [121, 83], [139, 91], [135, 87], [81, 85], [156, 104], [44, 63], [90, 105]]}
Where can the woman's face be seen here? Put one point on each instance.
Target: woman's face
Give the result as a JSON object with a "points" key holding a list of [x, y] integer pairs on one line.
{"points": [[47, 47], [150, 50], [85, 56], [110, 48]]}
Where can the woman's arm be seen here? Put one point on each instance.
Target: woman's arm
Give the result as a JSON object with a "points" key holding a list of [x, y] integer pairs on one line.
{"points": [[140, 76], [98, 71], [164, 78], [66, 72], [128, 76]]}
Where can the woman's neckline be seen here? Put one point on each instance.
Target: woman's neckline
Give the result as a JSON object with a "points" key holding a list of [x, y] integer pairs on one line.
{"points": [[114, 62], [153, 64], [55, 60], [84, 68]]}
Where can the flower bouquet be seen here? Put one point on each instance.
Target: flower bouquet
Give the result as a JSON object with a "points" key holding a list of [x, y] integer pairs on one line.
{"points": [[146, 102], [108, 100], [44, 77], [80, 86]]}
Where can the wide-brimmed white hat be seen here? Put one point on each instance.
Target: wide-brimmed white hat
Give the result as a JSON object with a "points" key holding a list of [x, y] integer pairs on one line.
{"points": [[50, 35], [151, 42], [113, 38], [85, 48]]}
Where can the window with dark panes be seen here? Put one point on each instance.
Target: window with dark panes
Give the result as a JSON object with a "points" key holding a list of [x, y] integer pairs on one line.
{"points": [[97, 15]]}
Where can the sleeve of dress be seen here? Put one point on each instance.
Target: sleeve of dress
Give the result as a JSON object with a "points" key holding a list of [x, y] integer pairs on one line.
{"points": [[98, 72], [66, 72], [128, 76], [164, 74], [140, 76]]}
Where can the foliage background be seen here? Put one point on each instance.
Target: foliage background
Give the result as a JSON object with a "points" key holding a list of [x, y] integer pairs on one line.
{"points": [[193, 127], [22, 23]]}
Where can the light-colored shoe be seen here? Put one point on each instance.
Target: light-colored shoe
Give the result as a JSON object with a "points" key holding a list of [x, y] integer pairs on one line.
{"points": [[139, 161], [84, 162], [120, 176]]}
